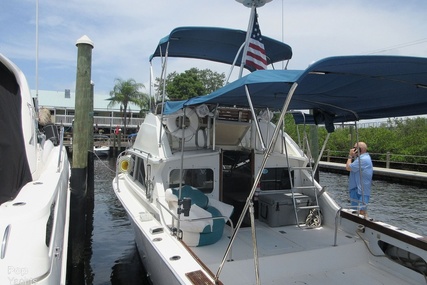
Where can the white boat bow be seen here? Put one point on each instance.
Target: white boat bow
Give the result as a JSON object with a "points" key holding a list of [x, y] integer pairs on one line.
{"points": [[34, 191]]}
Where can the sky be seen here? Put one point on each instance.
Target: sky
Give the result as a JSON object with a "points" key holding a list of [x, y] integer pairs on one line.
{"points": [[126, 32]]}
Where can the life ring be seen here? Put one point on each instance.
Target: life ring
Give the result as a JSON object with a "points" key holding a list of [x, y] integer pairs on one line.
{"points": [[173, 123], [125, 163]]}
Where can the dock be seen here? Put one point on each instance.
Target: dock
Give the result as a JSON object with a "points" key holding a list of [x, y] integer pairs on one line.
{"points": [[114, 142], [389, 174]]}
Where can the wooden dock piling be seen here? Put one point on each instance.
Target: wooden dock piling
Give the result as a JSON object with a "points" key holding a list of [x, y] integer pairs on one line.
{"points": [[81, 143]]}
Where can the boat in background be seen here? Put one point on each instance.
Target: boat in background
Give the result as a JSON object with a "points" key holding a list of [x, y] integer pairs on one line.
{"points": [[219, 194], [131, 139], [101, 145], [34, 188]]}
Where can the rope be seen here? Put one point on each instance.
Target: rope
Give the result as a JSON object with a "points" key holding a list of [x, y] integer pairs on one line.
{"points": [[103, 163]]}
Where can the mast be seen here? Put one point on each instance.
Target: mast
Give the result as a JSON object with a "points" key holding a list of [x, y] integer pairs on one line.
{"points": [[37, 53], [248, 35]]}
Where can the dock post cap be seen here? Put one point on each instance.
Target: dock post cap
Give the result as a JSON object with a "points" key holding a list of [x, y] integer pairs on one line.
{"points": [[84, 40]]}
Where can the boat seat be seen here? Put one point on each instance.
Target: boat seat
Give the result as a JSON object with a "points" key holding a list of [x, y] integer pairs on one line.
{"points": [[203, 226]]}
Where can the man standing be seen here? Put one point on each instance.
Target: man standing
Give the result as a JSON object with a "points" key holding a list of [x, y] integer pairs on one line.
{"points": [[359, 164]]}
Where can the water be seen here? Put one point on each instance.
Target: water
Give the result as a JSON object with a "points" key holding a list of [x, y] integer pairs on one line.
{"points": [[400, 205], [112, 255]]}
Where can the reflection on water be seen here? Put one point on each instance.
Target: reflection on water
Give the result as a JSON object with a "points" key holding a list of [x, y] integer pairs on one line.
{"points": [[400, 205], [112, 255]]}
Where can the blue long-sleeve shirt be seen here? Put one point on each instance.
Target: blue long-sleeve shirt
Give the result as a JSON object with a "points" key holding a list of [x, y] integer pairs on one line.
{"points": [[367, 172]]}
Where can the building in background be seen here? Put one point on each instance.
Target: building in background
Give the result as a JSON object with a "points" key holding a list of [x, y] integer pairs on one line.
{"points": [[62, 105]]}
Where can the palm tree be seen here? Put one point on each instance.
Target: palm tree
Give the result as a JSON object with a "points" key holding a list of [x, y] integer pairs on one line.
{"points": [[125, 92]]}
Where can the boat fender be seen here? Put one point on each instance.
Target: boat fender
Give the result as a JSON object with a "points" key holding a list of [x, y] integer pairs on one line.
{"points": [[173, 123], [125, 163]]}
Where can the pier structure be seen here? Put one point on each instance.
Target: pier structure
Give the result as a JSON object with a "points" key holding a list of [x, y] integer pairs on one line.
{"points": [[62, 108], [388, 174]]}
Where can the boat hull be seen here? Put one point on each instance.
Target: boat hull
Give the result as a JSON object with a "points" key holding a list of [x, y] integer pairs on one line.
{"points": [[38, 222], [166, 259], [157, 270], [102, 151], [34, 205]]}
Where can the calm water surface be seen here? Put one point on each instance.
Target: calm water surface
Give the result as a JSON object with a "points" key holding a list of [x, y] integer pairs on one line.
{"points": [[111, 252], [400, 205]]}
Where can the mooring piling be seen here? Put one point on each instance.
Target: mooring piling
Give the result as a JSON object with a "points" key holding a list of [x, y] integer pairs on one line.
{"points": [[83, 125]]}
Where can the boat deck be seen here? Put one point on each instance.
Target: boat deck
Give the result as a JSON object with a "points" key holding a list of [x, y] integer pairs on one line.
{"points": [[294, 250]]}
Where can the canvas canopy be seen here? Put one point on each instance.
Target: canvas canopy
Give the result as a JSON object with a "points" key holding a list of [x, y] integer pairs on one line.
{"points": [[216, 44], [14, 170], [337, 89]]}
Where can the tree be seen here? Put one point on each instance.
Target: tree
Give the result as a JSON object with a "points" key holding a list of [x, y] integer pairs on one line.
{"points": [[191, 83], [404, 139], [125, 92]]}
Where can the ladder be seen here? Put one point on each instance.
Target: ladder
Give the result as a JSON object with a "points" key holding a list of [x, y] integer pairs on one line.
{"points": [[306, 183]]}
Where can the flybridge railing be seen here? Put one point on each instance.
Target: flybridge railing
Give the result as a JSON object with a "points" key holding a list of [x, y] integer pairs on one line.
{"points": [[67, 120]]}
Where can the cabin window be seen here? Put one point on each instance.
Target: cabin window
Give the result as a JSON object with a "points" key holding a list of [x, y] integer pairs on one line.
{"points": [[201, 178], [132, 167], [49, 224], [140, 171], [276, 179]]}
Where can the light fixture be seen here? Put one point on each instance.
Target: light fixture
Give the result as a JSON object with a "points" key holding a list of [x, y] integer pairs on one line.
{"points": [[253, 3]]}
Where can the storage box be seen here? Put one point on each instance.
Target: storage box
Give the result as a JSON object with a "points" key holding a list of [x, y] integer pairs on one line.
{"points": [[278, 209]]}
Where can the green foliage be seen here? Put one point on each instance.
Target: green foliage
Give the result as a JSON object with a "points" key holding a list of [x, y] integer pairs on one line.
{"points": [[404, 139], [125, 92], [191, 83], [412, 134], [185, 85]]}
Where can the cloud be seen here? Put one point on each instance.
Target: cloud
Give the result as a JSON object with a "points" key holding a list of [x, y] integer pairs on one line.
{"points": [[126, 32]]}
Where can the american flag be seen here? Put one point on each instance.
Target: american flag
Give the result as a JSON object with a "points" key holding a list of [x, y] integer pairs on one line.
{"points": [[255, 56]]}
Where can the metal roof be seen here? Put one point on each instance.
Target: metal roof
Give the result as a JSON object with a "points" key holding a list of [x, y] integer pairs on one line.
{"points": [[58, 99]]}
